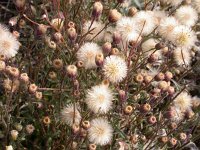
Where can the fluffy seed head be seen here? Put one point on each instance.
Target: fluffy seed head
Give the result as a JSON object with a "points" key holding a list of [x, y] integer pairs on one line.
{"points": [[99, 99], [100, 131], [87, 54], [182, 57], [115, 68], [186, 15], [70, 115]]}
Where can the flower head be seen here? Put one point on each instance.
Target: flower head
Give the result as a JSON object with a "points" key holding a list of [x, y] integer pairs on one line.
{"points": [[182, 57], [87, 54], [183, 101], [99, 99], [70, 115], [115, 68], [186, 15], [100, 131]]}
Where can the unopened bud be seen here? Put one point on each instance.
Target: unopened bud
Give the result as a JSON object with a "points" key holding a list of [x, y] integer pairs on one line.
{"points": [[72, 34], [148, 79], [171, 90], [41, 29], [153, 58], [51, 44], [71, 70], [139, 78], [117, 37], [134, 139], [99, 59], [173, 142], [58, 37], [24, 77], [97, 9], [114, 51], [122, 95], [2, 65], [86, 125], [92, 147], [75, 128], [30, 128], [52, 75], [128, 110], [38, 95], [14, 134], [71, 25], [107, 47], [57, 23], [80, 64], [182, 136], [13, 21], [114, 15], [159, 46], [57, 63], [46, 120], [145, 108], [163, 139], [163, 85], [160, 76], [20, 3], [152, 120], [32, 88], [168, 76], [132, 11], [14, 72]]}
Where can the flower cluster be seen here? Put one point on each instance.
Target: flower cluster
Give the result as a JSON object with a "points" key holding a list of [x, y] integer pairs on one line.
{"points": [[100, 74]]}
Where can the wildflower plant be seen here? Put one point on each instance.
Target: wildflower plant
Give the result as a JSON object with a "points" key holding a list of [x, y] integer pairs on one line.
{"points": [[97, 74]]}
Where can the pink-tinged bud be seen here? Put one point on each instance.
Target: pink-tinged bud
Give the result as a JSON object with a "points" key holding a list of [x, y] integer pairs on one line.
{"points": [[97, 9], [153, 58], [132, 11], [107, 47], [160, 76], [58, 37], [14, 134], [163, 139], [72, 34], [24, 78], [152, 120], [168, 76], [38, 95], [122, 95], [41, 29], [71, 71], [173, 142], [80, 64], [139, 78], [117, 37], [171, 90], [99, 59], [114, 15], [148, 79], [30, 128], [2, 65], [32, 88], [75, 128]]}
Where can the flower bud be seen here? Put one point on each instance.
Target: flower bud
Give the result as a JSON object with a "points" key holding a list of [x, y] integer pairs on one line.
{"points": [[170, 90], [107, 48], [163, 139], [86, 125], [173, 125], [114, 51], [114, 15], [99, 59], [122, 95], [160, 76], [92, 147], [21, 23], [41, 29], [71, 25], [189, 114], [2, 65], [106, 82], [97, 9], [153, 58], [132, 11], [139, 78], [30, 128], [14, 72], [182, 136], [128, 109], [52, 75], [83, 132], [2, 57], [20, 3], [117, 37], [148, 79], [145, 108], [134, 139], [75, 128], [165, 50], [71, 70], [51, 44], [38, 95], [173, 142], [32, 88], [18, 127], [72, 33], [163, 85], [13, 21], [80, 64], [159, 45], [46, 120], [168, 76], [58, 37], [14, 134], [152, 120], [57, 63]]}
